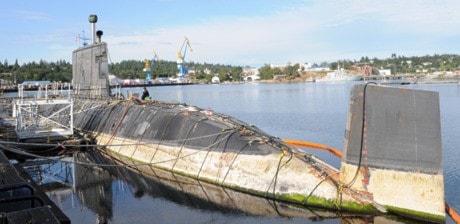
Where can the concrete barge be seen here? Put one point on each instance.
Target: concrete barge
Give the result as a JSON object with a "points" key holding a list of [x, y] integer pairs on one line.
{"points": [[392, 152]]}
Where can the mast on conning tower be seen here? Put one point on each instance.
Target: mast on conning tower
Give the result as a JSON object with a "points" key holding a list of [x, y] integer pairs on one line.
{"points": [[93, 20]]}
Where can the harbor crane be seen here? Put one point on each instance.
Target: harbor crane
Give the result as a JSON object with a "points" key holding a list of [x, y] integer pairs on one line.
{"points": [[181, 58], [149, 65]]}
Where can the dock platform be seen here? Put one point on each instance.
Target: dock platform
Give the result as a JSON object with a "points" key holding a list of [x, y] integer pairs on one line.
{"points": [[21, 200]]}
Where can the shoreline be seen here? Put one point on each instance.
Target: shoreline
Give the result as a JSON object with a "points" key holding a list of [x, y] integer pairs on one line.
{"points": [[403, 81]]}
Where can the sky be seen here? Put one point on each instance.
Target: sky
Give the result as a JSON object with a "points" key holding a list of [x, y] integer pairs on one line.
{"points": [[232, 32]]}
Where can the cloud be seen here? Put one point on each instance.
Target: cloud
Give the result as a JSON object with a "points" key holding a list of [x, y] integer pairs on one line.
{"points": [[415, 16], [31, 15], [308, 31], [234, 41]]}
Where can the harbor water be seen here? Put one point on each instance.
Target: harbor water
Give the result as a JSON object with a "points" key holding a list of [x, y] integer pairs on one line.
{"points": [[315, 112]]}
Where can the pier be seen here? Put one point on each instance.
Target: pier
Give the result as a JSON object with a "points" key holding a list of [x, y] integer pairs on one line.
{"points": [[21, 200], [24, 120]]}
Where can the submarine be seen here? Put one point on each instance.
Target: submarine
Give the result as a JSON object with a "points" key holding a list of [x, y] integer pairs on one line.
{"points": [[391, 163]]}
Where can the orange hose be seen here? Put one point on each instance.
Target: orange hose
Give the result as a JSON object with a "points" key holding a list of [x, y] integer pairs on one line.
{"points": [[452, 213], [313, 145]]}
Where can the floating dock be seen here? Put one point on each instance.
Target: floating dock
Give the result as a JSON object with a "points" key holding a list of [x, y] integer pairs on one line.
{"points": [[22, 201]]}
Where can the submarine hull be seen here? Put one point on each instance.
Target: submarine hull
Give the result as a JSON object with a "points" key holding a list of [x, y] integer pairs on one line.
{"points": [[214, 148]]}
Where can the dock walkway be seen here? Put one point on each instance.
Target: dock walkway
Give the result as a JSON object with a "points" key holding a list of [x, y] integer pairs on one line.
{"points": [[21, 200]]}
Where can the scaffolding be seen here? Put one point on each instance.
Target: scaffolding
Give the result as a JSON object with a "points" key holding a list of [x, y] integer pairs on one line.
{"points": [[42, 116]]}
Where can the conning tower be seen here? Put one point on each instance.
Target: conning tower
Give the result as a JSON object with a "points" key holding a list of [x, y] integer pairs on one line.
{"points": [[90, 68]]}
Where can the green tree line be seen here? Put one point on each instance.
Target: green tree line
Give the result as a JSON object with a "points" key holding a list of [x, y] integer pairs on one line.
{"points": [[266, 72], [51, 71], [397, 65], [134, 69]]}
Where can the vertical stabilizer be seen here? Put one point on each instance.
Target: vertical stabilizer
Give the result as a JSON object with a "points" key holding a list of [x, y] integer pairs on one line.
{"points": [[395, 152]]}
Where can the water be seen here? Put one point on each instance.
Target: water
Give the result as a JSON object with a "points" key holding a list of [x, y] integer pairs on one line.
{"points": [[306, 111]]}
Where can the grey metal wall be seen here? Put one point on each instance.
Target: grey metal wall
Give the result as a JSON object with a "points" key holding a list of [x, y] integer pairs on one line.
{"points": [[402, 129]]}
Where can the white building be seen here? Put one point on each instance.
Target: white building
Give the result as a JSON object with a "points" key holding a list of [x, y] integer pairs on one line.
{"points": [[385, 72], [215, 79]]}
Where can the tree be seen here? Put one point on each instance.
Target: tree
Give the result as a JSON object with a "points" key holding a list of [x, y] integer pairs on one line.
{"points": [[266, 72], [289, 70], [364, 59], [236, 73], [16, 65]]}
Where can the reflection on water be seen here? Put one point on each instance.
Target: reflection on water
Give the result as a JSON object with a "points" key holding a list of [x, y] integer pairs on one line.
{"points": [[105, 189], [94, 187], [146, 181]]}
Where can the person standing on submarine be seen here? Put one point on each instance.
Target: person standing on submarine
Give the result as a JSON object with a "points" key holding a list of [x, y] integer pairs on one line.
{"points": [[145, 93]]}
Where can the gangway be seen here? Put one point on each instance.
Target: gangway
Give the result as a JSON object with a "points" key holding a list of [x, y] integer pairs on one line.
{"points": [[43, 117]]}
